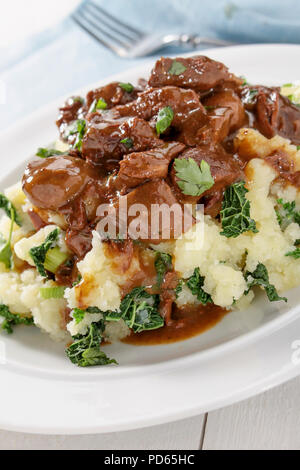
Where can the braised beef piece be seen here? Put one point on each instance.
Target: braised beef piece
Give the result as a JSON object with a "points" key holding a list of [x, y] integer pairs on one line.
{"points": [[72, 110], [137, 168], [201, 74], [80, 241], [148, 200], [282, 163], [102, 144], [274, 114], [112, 94], [67, 273], [53, 182], [189, 113], [224, 168], [226, 114]]}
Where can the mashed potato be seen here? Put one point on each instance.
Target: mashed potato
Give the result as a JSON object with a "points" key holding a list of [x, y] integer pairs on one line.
{"points": [[221, 261]]}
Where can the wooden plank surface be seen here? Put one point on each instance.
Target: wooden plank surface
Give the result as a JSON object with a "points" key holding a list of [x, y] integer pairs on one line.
{"points": [[269, 421], [185, 435]]}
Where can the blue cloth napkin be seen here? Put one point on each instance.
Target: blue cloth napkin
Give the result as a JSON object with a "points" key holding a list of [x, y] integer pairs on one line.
{"points": [[56, 62]]}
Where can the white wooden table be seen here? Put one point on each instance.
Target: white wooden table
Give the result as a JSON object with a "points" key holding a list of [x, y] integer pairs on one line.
{"points": [[269, 421]]}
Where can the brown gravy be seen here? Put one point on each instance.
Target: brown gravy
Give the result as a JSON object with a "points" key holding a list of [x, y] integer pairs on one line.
{"points": [[187, 322]]}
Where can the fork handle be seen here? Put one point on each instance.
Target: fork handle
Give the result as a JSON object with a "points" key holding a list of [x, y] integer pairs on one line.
{"points": [[195, 41]]}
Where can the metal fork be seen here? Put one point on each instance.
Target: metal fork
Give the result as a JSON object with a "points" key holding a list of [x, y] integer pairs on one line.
{"points": [[129, 42]]}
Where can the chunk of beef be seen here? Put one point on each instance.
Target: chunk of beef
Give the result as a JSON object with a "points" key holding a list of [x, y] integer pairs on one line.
{"points": [[113, 94], [136, 168], [79, 241], [224, 101], [189, 113], [152, 214], [102, 142], [225, 170], [201, 74], [282, 163], [72, 110], [274, 113], [55, 181]]}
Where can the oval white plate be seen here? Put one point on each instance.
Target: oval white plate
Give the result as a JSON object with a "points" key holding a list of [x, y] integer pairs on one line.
{"points": [[247, 353]]}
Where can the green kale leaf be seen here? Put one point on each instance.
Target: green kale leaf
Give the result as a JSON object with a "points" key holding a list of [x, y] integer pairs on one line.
{"points": [[163, 264], [260, 277], [38, 253], [235, 213], [195, 283], [12, 319]]}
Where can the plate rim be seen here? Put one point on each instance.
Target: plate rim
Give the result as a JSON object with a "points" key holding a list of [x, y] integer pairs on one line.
{"points": [[230, 346]]}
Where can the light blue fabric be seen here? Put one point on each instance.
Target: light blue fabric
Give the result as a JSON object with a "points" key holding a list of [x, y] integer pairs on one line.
{"points": [[58, 61]]}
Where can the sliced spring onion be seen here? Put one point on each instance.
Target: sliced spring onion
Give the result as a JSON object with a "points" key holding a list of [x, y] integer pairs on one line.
{"points": [[52, 292], [54, 258]]}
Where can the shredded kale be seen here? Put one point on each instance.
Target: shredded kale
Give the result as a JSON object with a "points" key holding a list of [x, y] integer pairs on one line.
{"points": [[6, 255], [163, 264], [260, 277], [235, 213], [294, 254], [12, 319], [79, 314], [288, 213], [46, 153], [195, 283], [85, 350], [128, 142], [127, 87], [38, 253], [177, 68], [193, 179], [179, 288], [139, 310], [9, 209], [164, 119]]}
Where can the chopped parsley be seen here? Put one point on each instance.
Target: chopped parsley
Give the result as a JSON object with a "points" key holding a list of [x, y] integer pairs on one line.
{"points": [[9, 209], [46, 153], [12, 319], [164, 119], [38, 253], [139, 310], [78, 128], [193, 180], [127, 142], [195, 283], [85, 350], [163, 264], [127, 87], [235, 213], [260, 277], [177, 68]]}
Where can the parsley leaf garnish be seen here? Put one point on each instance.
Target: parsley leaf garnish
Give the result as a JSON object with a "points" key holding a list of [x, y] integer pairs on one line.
{"points": [[163, 263], [235, 213], [139, 310], [177, 68], [127, 87], [12, 319], [85, 350], [260, 277], [45, 153], [193, 180], [9, 209], [164, 119], [38, 253], [78, 127], [195, 283], [128, 142]]}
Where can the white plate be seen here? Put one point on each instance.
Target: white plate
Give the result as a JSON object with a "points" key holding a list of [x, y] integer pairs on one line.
{"points": [[247, 353]]}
